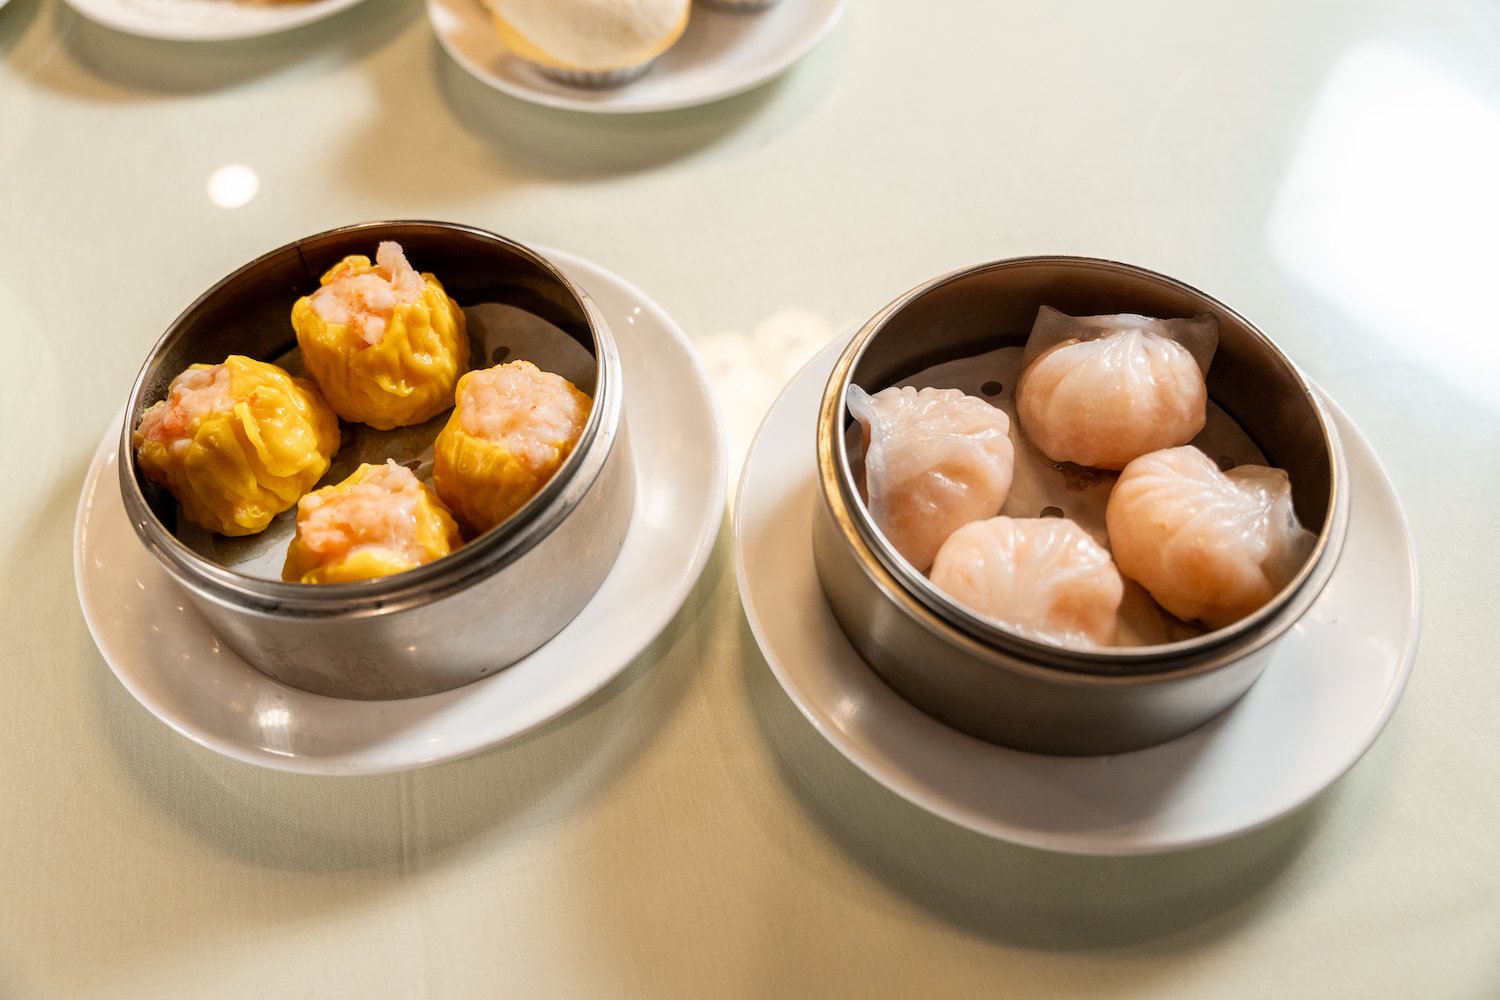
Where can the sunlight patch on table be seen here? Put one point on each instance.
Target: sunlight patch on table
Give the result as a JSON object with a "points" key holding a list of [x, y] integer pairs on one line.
{"points": [[1391, 209]]}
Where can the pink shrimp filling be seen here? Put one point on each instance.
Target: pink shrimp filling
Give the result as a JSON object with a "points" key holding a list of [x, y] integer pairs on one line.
{"points": [[365, 302], [379, 513], [193, 395], [523, 409]]}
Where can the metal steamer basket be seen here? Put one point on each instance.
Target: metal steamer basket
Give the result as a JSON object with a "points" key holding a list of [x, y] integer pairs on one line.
{"points": [[454, 620], [971, 672]]}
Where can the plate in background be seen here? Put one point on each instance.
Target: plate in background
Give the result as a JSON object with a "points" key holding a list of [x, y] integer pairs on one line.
{"points": [[722, 53], [206, 20]]}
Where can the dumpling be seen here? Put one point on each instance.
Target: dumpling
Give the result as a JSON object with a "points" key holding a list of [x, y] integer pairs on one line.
{"points": [[1044, 577], [511, 429], [385, 344], [237, 443], [379, 521], [1102, 390], [1209, 546], [935, 459]]}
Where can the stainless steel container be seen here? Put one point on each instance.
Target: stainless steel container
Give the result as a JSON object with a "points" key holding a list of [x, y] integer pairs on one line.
{"points": [[451, 621], [972, 673]]}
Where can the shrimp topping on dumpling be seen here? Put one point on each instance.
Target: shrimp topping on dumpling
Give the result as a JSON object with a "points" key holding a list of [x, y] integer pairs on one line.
{"points": [[384, 343], [513, 426], [1208, 545], [935, 459], [1043, 577], [236, 443], [1102, 390], [381, 520]]}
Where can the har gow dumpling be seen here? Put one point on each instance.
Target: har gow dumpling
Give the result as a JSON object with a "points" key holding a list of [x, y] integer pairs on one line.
{"points": [[935, 459], [385, 344], [1102, 390], [379, 521], [1044, 577], [1208, 545], [237, 443], [511, 429]]}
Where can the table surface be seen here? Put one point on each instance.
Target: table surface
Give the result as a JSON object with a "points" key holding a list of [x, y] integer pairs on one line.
{"points": [[1329, 169]]}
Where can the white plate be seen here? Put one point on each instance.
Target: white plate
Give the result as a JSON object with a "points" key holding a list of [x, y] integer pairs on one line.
{"points": [[206, 20], [1320, 704], [722, 53], [165, 654]]}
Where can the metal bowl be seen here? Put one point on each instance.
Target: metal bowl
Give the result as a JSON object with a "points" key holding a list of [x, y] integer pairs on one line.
{"points": [[454, 620], [971, 672]]}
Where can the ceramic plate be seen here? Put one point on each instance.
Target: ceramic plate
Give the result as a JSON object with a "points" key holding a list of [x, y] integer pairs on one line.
{"points": [[721, 54], [1320, 704], [206, 20], [169, 659]]}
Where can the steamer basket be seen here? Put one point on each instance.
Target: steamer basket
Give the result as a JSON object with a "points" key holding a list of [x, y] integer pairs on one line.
{"points": [[454, 620], [971, 672]]}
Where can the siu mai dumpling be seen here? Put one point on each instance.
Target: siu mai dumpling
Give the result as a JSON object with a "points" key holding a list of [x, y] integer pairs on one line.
{"points": [[237, 443], [935, 459], [381, 520], [1210, 546], [512, 427], [1043, 577], [1102, 390], [385, 344]]}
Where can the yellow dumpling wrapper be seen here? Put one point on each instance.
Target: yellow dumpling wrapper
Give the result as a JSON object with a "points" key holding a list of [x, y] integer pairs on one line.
{"points": [[512, 427], [385, 344], [237, 443], [379, 521]]}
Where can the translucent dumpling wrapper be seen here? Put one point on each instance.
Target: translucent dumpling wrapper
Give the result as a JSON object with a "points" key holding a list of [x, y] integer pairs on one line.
{"points": [[380, 521], [1210, 546], [510, 431], [935, 459], [1102, 390], [385, 344], [237, 443], [1044, 578]]}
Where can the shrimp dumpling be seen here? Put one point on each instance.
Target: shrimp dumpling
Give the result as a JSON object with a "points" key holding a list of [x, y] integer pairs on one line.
{"points": [[511, 429], [1208, 545], [381, 520], [236, 443], [935, 459], [385, 344], [1043, 577], [1102, 390]]}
